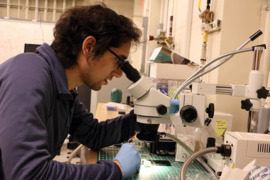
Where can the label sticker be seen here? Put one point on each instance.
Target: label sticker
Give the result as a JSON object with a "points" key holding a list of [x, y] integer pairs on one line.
{"points": [[221, 126]]}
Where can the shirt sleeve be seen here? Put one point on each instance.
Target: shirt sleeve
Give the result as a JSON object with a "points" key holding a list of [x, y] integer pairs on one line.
{"points": [[95, 135], [26, 95]]}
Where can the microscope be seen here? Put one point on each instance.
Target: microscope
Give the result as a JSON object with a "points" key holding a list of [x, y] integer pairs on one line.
{"points": [[152, 107]]}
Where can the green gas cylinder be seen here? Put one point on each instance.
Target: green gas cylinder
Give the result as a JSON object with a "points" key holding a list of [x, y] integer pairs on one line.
{"points": [[116, 95]]}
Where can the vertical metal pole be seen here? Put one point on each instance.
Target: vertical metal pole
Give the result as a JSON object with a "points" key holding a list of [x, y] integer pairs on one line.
{"points": [[26, 9], [257, 58], [54, 10], [8, 7], [19, 6], [36, 10], [73, 3], [64, 5], [188, 28], [45, 10], [145, 30]]}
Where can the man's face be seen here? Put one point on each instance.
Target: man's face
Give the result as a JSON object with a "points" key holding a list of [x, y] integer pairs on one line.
{"points": [[98, 72]]}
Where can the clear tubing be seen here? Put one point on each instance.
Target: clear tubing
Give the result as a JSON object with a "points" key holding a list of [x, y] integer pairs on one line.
{"points": [[192, 158], [191, 152], [197, 75]]}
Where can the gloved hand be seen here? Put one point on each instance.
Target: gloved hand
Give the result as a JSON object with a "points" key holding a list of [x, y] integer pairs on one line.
{"points": [[174, 108], [129, 158]]}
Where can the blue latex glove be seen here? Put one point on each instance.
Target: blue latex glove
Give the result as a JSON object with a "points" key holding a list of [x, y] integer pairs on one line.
{"points": [[129, 158], [174, 108]]}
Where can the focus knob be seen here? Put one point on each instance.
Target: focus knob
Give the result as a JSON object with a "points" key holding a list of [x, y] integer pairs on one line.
{"points": [[161, 109], [262, 93], [188, 113], [246, 104], [210, 110]]}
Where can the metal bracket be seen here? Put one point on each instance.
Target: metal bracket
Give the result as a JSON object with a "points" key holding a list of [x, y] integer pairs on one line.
{"points": [[211, 27]]}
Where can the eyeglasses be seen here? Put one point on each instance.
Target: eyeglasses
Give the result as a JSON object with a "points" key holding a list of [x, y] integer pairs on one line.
{"points": [[120, 61]]}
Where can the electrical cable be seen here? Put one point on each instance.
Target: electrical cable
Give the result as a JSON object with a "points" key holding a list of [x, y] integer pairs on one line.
{"points": [[40, 22], [192, 158], [181, 143]]}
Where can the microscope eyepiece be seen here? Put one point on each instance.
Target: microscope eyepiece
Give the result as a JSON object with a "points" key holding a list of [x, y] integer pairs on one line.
{"points": [[131, 73]]}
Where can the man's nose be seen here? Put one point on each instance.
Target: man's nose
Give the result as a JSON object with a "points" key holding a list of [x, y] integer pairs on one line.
{"points": [[117, 73]]}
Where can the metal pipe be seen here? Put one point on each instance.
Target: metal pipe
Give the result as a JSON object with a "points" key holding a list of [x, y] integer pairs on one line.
{"points": [[11, 6], [192, 158], [45, 9], [144, 38], [33, 8], [54, 10], [64, 5], [251, 116], [187, 36], [19, 7], [73, 3], [165, 15], [181, 143], [224, 93], [224, 86], [161, 12], [36, 10], [224, 89], [171, 26], [8, 7], [257, 58], [175, 16], [26, 9]]}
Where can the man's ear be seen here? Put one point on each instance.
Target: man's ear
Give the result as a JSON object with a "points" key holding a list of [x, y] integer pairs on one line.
{"points": [[88, 45]]}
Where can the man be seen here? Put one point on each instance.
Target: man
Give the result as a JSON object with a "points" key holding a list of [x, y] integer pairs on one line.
{"points": [[39, 106]]}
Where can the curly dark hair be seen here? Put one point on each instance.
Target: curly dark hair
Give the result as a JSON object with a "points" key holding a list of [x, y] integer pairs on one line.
{"points": [[75, 24]]}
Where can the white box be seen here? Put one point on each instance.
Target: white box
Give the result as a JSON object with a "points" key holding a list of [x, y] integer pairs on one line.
{"points": [[172, 71]]}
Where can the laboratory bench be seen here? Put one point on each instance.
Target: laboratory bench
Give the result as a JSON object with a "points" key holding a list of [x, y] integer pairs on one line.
{"points": [[155, 171]]}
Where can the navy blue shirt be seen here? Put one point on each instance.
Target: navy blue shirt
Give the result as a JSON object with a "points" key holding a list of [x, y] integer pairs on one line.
{"points": [[37, 112]]}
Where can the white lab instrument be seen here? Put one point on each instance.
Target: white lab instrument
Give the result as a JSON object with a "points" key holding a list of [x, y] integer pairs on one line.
{"points": [[239, 149], [246, 147]]}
